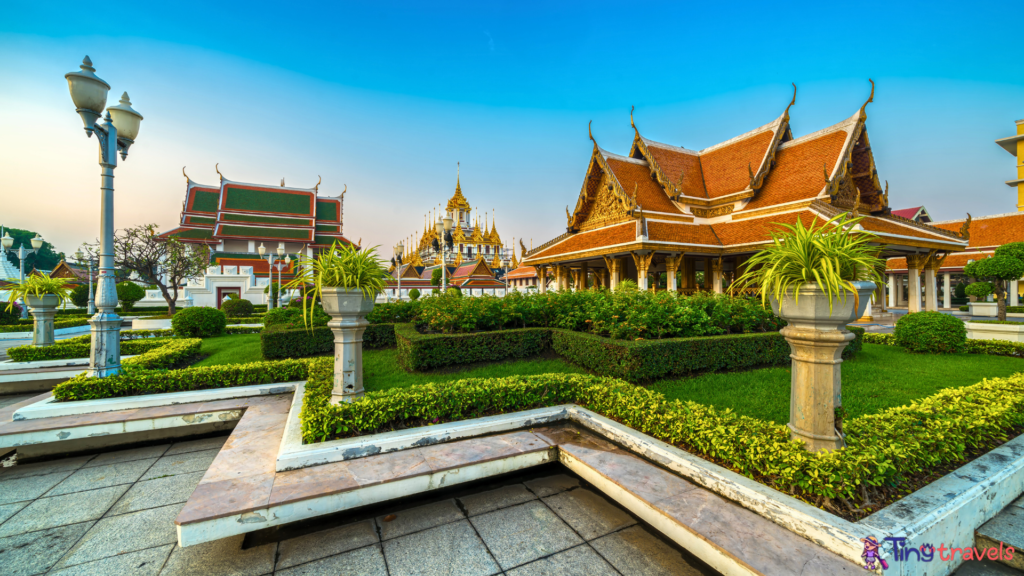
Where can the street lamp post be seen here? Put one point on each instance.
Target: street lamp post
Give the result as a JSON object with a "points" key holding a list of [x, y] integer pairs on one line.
{"points": [[399, 249], [81, 256], [116, 134], [504, 267], [270, 263], [443, 229], [281, 265], [6, 243]]}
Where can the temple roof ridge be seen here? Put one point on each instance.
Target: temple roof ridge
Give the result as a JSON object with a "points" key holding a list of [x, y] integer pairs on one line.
{"points": [[843, 125], [771, 126], [611, 156], [990, 216], [672, 147]]}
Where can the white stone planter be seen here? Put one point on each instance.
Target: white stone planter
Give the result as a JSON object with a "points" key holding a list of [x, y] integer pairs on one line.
{"points": [[817, 336], [43, 308], [983, 309], [143, 324], [348, 309], [985, 331]]}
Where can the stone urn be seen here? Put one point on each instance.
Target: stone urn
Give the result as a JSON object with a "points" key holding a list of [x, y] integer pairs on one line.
{"points": [[43, 308], [348, 309], [817, 337]]}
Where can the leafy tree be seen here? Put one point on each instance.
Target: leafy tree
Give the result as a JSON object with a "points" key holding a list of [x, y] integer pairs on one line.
{"points": [[165, 263], [960, 291], [1006, 265], [414, 294], [128, 293], [46, 259], [80, 296], [435, 277]]}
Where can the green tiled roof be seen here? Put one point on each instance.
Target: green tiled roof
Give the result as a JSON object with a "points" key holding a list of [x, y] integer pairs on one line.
{"points": [[200, 220], [266, 201], [328, 240], [263, 232], [327, 210], [194, 234], [327, 228], [205, 201], [267, 219]]}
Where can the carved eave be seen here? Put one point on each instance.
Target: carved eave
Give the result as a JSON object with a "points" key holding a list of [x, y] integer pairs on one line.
{"points": [[596, 169], [639, 150], [713, 202]]}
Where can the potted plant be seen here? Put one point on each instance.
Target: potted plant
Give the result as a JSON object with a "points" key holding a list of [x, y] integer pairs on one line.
{"points": [[981, 291], [818, 279], [995, 275], [42, 294], [347, 281]]}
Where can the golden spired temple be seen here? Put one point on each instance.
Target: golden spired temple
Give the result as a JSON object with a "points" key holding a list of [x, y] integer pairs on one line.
{"points": [[472, 240], [663, 212]]}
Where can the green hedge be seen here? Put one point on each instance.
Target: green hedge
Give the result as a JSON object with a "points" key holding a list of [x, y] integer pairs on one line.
{"points": [[57, 324], [882, 449], [136, 334], [635, 361], [136, 382], [283, 341], [991, 347], [78, 347], [426, 351]]}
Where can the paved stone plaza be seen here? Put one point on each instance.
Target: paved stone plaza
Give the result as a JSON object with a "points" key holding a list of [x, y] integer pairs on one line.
{"points": [[113, 513]]}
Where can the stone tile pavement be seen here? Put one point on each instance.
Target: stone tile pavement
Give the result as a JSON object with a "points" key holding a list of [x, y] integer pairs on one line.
{"points": [[113, 513]]}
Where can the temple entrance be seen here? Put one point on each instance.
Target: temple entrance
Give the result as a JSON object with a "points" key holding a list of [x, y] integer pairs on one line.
{"points": [[222, 293]]}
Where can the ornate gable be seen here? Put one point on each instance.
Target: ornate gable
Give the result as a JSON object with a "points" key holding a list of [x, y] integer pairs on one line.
{"points": [[602, 200]]}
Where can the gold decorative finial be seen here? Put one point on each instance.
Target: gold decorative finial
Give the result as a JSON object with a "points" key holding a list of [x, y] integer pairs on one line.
{"points": [[631, 108], [590, 133], [824, 168], [185, 175], [345, 190], [791, 102], [318, 181], [871, 98], [217, 168], [282, 182], [965, 230]]}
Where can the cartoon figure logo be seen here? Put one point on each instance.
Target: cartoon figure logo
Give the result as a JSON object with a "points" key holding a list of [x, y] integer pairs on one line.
{"points": [[870, 554]]}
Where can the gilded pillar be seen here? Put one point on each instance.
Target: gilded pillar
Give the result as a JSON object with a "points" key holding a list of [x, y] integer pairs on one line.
{"points": [[584, 274], [671, 264], [716, 275], [643, 264]]}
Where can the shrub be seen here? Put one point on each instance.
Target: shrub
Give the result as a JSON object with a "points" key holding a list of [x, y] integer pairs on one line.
{"points": [[423, 352], [80, 296], [78, 347], [454, 291], [284, 341], [139, 382], [237, 307], [198, 322], [979, 289], [930, 332], [627, 285], [292, 317], [414, 294], [26, 325], [960, 290], [394, 312], [128, 293], [10, 313]]}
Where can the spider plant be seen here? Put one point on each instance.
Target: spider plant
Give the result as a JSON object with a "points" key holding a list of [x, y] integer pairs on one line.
{"points": [[829, 255], [38, 285], [341, 266]]}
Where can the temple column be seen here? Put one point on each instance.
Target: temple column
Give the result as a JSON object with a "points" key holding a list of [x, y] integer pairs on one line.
{"points": [[901, 293], [685, 269], [914, 265], [931, 288], [584, 273], [643, 263], [706, 285], [892, 290], [1014, 298], [716, 275], [670, 268], [542, 276], [946, 295]]}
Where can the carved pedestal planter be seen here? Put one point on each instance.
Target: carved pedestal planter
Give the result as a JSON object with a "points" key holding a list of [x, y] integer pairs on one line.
{"points": [[43, 308], [983, 309], [348, 310], [817, 337]]}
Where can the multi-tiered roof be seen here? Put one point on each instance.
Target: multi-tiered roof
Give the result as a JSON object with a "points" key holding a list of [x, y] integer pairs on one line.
{"points": [[727, 198], [239, 211]]}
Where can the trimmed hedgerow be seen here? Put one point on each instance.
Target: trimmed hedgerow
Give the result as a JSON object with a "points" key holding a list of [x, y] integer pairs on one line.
{"points": [[930, 332], [282, 341], [883, 450], [991, 347], [635, 361], [426, 351], [135, 382], [78, 347], [57, 324]]}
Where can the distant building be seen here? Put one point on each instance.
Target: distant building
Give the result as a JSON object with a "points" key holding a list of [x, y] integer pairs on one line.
{"points": [[1015, 146]]}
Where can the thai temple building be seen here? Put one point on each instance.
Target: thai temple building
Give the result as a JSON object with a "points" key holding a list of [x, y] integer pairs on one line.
{"points": [[984, 234], [234, 219], [662, 209]]}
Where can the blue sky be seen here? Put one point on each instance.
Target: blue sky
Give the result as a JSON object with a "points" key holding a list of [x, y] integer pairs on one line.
{"points": [[387, 97]]}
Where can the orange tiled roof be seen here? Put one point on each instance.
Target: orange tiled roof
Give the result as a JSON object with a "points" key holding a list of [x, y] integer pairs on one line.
{"points": [[701, 234], [522, 272], [953, 261], [637, 176], [676, 163], [990, 231], [799, 170], [760, 229], [618, 234], [725, 169], [883, 226]]}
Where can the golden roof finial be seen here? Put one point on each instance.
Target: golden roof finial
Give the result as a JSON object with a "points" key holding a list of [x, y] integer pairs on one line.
{"points": [[318, 181], [590, 133], [871, 98], [217, 168], [791, 102], [631, 108], [187, 179], [343, 191]]}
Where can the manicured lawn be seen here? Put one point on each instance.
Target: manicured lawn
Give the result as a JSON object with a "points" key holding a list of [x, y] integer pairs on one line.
{"points": [[880, 377]]}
